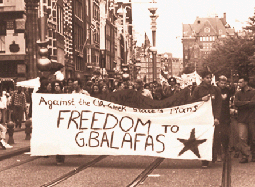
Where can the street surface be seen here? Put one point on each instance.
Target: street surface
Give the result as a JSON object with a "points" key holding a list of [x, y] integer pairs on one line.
{"points": [[116, 171]]}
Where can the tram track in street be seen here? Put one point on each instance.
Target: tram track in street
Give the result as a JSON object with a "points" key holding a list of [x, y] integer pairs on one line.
{"points": [[142, 177], [133, 181], [74, 171], [19, 164], [136, 182]]}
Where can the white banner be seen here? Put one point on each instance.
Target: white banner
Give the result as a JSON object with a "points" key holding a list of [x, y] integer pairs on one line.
{"points": [[70, 124]]}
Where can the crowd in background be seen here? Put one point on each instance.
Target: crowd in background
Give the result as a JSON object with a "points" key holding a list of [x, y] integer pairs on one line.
{"points": [[97, 87], [228, 101]]}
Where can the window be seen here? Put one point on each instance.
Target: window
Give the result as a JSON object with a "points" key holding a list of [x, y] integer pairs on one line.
{"points": [[206, 29], [87, 7], [54, 14], [88, 56], [108, 62], [10, 25], [78, 9], [54, 52], [60, 19], [78, 64], [2, 44], [108, 30], [3, 28], [108, 45], [212, 38], [88, 32]]}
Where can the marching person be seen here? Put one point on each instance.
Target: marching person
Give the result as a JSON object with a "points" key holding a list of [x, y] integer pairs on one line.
{"points": [[139, 87], [95, 92], [57, 89], [204, 92], [77, 86], [68, 88], [3, 129], [3, 107], [224, 127], [19, 106], [245, 102], [104, 91]]}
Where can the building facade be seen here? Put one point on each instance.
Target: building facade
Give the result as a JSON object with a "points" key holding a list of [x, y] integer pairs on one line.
{"points": [[85, 36], [145, 66], [198, 38], [12, 40], [171, 66]]}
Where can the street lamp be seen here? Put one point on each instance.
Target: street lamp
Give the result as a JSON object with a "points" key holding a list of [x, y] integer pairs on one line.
{"points": [[43, 63], [153, 49]]}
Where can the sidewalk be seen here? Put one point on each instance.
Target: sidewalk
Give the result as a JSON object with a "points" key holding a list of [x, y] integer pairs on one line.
{"points": [[20, 144]]}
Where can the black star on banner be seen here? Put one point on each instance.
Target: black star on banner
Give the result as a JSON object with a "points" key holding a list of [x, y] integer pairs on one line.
{"points": [[191, 144]]}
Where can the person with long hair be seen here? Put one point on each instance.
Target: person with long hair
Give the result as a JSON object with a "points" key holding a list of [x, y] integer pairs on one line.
{"points": [[104, 91], [95, 92]]}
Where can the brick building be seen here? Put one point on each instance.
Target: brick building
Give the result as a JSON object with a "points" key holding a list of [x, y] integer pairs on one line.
{"points": [[198, 38]]}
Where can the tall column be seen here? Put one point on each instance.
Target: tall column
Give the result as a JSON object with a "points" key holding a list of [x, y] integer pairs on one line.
{"points": [[153, 49], [31, 36]]}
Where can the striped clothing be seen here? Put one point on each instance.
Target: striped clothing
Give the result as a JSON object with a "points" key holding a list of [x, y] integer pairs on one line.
{"points": [[19, 99]]}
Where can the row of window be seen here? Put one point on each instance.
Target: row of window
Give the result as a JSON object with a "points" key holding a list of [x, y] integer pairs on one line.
{"points": [[11, 25], [207, 38], [96, 12], [207, 45], [78, 9], [78, 38]]}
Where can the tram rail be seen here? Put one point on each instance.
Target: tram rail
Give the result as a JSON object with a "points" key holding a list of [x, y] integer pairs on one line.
{"points": [[136, 181]]}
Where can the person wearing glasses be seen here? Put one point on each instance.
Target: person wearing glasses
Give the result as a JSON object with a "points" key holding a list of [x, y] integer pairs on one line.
{"points": [[57, 87]]}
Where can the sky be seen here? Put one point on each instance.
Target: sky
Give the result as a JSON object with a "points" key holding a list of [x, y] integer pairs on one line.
{"points": [[174, 13]]}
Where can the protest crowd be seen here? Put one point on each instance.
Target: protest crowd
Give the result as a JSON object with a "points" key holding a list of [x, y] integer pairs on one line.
{"points": [[233, 106]]}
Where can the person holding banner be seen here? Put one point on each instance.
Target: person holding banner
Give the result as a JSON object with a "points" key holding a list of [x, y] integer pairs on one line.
{"points": [[245, 102], [226, 93], [57, 89], [204, 92]]}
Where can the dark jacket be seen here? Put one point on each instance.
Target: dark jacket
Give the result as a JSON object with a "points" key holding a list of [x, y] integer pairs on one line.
{"points": [[245, 102], [203, 90], [226, 93]]}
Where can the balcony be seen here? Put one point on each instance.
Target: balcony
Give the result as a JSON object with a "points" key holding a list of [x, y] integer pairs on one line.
{"points": [[12, 10]]}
